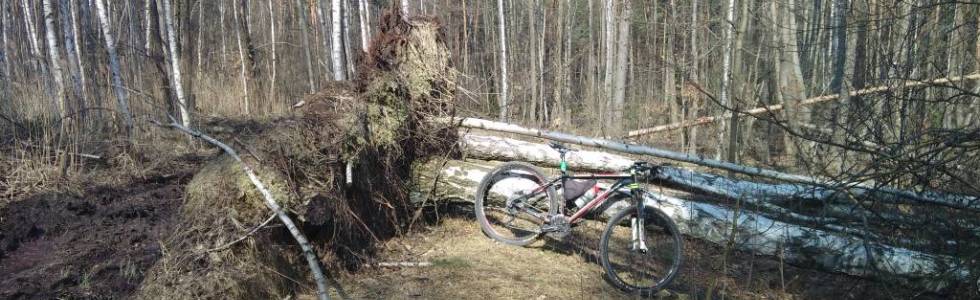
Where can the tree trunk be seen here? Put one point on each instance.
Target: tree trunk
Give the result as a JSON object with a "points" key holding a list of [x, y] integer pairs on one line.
{"points": [[622, 62], [54, 56], [336, 42], [305, 31], [791, 78], [363, 14], [693, 98], [122, 103], [404, 7], [272, 34], [503, 101], [726, 74], [954, 201], [176, 80], [245, 74], [72, 48]]}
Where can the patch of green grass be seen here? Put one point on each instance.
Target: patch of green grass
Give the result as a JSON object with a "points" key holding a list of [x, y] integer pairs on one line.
{"points": [[452, 262]]}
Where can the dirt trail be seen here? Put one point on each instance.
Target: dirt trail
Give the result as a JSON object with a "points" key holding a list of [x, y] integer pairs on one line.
{"points": [[92, 246]]}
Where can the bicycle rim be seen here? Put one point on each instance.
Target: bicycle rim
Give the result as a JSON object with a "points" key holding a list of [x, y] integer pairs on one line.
{"points": [[508, 207], [634, 270]]}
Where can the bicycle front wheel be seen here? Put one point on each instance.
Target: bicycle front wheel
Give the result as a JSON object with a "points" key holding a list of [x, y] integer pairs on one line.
{"points": [[632, 267], [512, 204]]}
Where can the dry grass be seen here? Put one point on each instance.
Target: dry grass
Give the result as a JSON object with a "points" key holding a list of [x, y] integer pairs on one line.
{"points": [[468, 265]]}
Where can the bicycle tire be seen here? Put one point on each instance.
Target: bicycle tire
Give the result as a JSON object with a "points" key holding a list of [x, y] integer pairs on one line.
{"points": [[502, 172], [654, 219]]}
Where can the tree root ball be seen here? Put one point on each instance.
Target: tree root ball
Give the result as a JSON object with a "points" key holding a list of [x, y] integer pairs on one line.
{"points": [[376, 124]]}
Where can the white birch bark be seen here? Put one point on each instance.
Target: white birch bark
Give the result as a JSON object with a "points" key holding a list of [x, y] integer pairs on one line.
{"points": [[363, 18], [503, 101], [54, 57], [122, 103], [73, 63], [404, 7], [148, 26], [77, 35], [726, 73], [336, 42], [31, 30], [185, 116]]}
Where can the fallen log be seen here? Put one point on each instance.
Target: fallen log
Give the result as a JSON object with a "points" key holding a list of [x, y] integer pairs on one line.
{"points": [[855, 188], [777, 107], [798, 245], [752, 194]]}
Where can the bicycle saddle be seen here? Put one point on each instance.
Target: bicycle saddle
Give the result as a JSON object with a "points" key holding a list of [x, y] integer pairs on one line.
{"points": [[559, 146]]}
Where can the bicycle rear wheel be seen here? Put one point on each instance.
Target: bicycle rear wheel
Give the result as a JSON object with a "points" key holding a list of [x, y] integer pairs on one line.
{"points": [[510, 204], [634, 270]]}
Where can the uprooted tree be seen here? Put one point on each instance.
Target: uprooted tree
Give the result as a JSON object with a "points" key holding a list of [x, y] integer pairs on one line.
{"points": [[340, 165]]}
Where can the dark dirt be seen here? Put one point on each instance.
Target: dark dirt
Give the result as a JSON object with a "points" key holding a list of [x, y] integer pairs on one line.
{"points": [[91, 246]]}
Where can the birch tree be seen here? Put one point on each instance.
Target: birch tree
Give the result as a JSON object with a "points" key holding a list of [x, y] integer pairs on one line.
{"points": [[502, 31], [336, 42], [54, 57], [74, 64], [364, 18], [122, 103], [726, 72], [185, 116]]}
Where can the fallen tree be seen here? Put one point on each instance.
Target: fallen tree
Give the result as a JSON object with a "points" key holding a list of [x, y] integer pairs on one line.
{"points": [[748, 231], [851, 188], [829, 209], [815, 100], [338, 166]]}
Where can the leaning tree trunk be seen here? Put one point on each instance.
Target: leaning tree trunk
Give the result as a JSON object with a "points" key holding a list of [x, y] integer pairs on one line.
{"points": [[804, 246], [122, 103]]}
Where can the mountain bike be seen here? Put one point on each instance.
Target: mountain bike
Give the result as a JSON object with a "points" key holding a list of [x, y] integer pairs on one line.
{"points": [[640, 248]]}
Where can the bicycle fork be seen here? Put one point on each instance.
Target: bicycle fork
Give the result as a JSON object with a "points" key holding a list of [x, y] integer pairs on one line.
{"points": [[637, 227]]}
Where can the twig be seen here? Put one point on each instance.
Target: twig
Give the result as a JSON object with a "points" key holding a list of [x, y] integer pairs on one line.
{"points": [[402, 264], [248, 234], [84, 155], [312, 260]]}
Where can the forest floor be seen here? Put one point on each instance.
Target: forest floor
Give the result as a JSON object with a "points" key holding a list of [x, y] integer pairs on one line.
{"points": [[95, 241]]}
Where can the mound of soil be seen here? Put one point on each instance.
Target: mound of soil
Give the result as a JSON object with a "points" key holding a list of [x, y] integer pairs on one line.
{"points": [[96, 245]]}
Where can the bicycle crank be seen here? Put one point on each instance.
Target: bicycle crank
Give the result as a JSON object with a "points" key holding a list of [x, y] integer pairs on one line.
{"points": [[557, 227]]}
